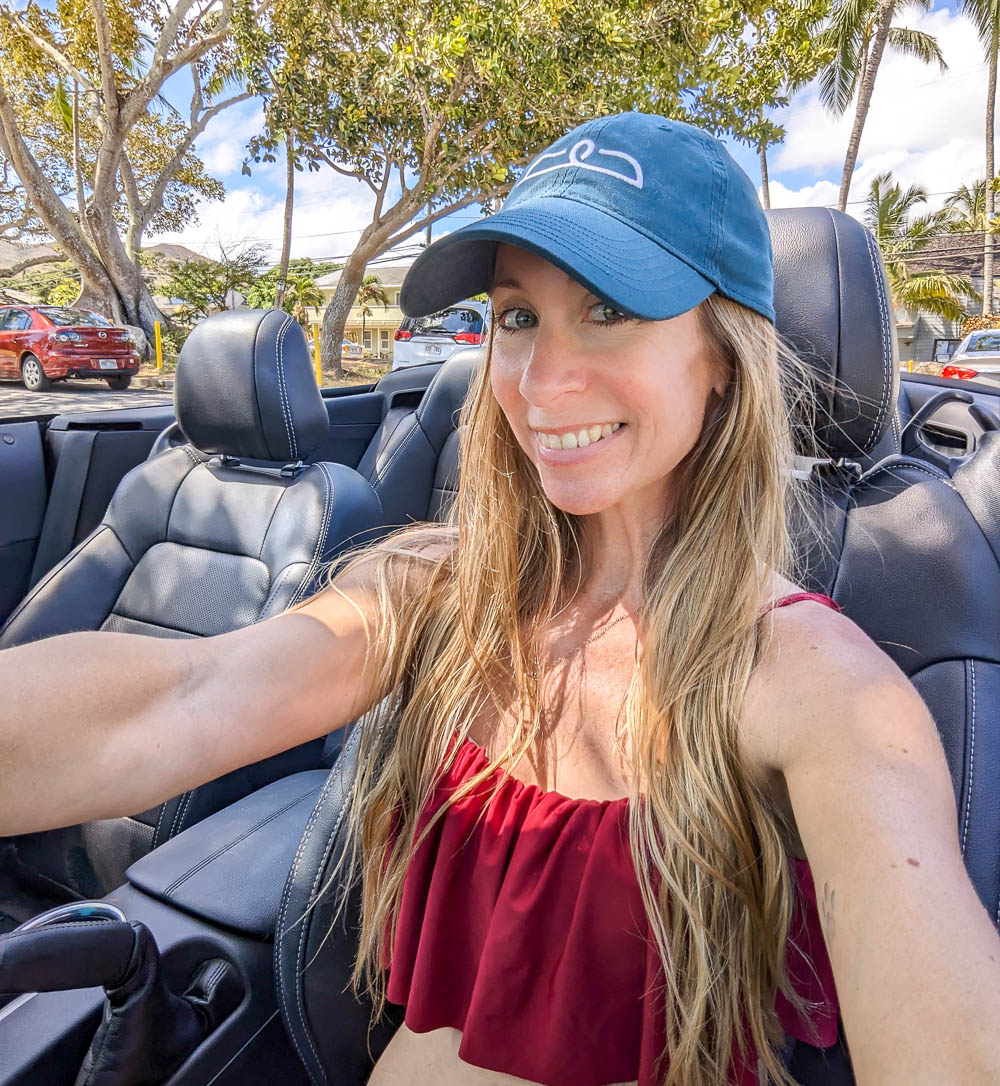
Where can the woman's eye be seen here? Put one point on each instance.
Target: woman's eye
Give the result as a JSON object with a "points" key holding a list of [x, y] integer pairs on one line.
{"points": [[603, 313], [514, 320]]}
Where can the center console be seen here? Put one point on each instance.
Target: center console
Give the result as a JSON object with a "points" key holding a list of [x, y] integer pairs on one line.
{"points": [[210, 894]]}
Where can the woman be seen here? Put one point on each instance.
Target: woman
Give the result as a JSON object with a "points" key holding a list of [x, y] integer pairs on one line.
{"points": [[626, 794]]}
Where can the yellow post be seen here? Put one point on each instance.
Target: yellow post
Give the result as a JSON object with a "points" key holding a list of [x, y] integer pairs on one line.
{"points": [[316, 356], [159, 345]]}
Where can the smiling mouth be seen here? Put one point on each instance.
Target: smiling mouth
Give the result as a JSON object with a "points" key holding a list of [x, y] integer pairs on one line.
{"points": [[578, 439]]}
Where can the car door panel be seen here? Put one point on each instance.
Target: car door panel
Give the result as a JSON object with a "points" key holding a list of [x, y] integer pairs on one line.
{"points": [[7, 358], [951, 430]]}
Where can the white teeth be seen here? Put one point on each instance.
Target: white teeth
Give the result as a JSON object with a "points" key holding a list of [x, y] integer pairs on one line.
{"points": [[581, 439]]}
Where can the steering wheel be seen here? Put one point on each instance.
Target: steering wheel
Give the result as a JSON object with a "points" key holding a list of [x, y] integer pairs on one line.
{"points": [[913, 444], [170, 438]]}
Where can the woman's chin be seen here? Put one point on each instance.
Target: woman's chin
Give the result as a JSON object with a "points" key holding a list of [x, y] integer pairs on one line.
{"points": [[577, 504]]}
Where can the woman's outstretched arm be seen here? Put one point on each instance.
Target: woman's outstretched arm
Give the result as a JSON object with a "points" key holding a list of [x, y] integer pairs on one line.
{"points": [[101, 725], [915, 955]]}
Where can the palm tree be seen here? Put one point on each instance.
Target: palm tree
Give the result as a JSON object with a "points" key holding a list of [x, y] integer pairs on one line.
{"points": [[968, 208], [371, 292], [286, 233], [986, 15], [859, 33], [301, 292], [887, 215]]}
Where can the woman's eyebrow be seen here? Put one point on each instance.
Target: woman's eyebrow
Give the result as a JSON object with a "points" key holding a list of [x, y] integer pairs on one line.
{"points": [[513, 283]]}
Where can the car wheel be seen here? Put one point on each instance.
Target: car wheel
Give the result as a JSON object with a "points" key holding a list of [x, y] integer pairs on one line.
{"points": [[33, 376], [120, 383]]}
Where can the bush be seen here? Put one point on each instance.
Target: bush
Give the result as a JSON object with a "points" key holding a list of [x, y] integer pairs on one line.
{"points": [[979, 321]]}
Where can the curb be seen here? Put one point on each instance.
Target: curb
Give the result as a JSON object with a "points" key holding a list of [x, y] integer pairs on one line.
{"points": [[153, 382]]}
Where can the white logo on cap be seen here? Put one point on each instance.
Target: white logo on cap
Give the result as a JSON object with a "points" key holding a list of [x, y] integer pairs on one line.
{"points": [[578, 154]]}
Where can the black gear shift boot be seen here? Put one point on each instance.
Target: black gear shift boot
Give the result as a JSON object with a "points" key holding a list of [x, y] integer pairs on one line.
{"points": [[146, 1030]]}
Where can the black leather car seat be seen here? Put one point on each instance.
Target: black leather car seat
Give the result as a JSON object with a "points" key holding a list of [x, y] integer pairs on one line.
{"points": [[221, 531], [413, 464], [897, 548]]}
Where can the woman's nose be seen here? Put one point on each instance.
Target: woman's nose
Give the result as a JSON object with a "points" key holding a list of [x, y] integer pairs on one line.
{"points": [[553, 367]]}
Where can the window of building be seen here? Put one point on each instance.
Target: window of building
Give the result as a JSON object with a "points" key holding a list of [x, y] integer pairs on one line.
{"points": [[944, 349], [367, 340], [383, 341]]}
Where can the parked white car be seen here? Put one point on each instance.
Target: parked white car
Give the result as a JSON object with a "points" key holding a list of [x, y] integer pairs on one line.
{"points": [[976, 358], [436, 337]]}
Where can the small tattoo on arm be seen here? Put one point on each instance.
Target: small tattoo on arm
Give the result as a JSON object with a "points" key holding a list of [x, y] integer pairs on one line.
{"points": [[826, 909]]}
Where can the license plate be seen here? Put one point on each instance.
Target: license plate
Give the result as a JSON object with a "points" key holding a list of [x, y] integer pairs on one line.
{"points": [[433, 348], [108, 363]]}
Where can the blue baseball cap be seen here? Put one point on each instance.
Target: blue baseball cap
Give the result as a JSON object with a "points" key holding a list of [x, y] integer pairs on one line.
{"points": [[650, 215]]}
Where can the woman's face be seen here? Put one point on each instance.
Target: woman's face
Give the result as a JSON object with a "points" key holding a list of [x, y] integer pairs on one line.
{"points": [[565, 363]]}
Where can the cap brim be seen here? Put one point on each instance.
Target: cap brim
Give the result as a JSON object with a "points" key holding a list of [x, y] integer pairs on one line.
{"points": [[610, 258]]}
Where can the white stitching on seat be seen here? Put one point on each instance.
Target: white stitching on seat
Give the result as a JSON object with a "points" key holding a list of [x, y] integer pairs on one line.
{"points": [[300, 950], [406, 440], [915, 467], [181, 803], [282, 391], [328, 494], [159, 821], [972, 755], [274, 591], [279, 932], [884, 322]]}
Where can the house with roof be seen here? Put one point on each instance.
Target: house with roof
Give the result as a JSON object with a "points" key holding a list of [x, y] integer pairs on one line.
{"points": [[375, 329], [926, 337]]}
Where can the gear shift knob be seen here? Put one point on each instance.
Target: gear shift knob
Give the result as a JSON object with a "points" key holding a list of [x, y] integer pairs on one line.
{"points": [[146, 1030]]}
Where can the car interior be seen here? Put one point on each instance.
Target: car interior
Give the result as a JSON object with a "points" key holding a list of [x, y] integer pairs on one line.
{"points": [[197, 943]]}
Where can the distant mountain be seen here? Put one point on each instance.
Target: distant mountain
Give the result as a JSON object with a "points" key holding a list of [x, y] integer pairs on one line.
{"points": [[11, 254]]}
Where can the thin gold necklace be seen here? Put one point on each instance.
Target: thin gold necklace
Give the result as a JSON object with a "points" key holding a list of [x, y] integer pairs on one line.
{"points": [[593, 637]]}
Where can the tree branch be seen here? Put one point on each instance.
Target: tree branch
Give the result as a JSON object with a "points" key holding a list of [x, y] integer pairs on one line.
{"points": [[108, 88], [380, 193], [46, 201], [47, 48], [30, 262], [323, 156], [472, 198], [164, 177]]}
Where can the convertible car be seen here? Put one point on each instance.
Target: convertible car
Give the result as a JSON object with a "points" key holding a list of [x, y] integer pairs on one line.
{"points": [[195, 943]]}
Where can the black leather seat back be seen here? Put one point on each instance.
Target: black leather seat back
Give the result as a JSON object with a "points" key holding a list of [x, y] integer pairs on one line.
{"points": [[194, 545], [413, 465]]}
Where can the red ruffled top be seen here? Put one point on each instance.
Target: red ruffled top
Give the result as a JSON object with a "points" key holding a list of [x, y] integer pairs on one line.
{"points": [[521, 924]]}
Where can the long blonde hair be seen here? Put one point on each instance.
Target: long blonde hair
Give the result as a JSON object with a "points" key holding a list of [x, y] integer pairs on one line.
{"points": [[708, 847]]}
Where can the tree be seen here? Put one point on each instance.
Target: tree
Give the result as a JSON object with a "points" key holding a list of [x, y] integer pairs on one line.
{"points": [[207, 286], [263, 294], [967, 208], [300, 295], [859, 33], [286, 231], [129, 163], [784, 39], [887, 215], [435, 105], [986, 15], [371, 292]]}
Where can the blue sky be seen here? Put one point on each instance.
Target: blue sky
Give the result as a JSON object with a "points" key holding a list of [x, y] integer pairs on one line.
{"points": [[924, 125]]}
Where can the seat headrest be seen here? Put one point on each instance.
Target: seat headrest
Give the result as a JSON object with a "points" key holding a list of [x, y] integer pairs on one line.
{"points": [[245, 387], [833, 306]]}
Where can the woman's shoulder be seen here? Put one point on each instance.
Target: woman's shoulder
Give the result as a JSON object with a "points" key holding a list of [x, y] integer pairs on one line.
{"points": [[817, 662]]}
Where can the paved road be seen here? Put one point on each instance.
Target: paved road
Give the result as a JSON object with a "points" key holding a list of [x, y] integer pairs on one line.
{"points": [[16, 400]]}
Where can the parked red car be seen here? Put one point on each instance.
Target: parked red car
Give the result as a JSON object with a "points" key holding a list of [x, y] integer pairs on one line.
{"points": [[45, 343]]}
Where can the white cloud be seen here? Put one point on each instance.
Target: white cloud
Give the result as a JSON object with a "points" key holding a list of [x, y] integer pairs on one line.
{"points": [[926, 127]]}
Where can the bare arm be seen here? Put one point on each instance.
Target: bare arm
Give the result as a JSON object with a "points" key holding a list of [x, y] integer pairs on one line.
{"points": [[99, 725], [915, 955]]}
